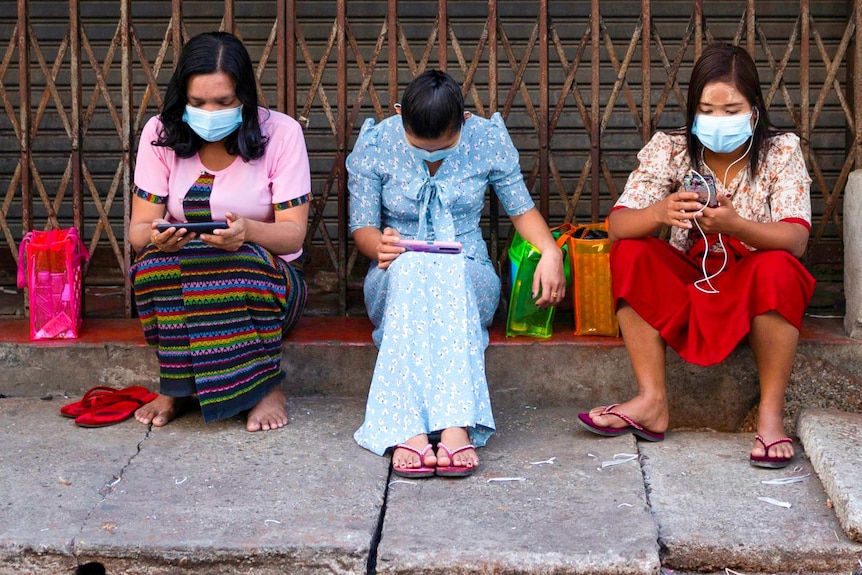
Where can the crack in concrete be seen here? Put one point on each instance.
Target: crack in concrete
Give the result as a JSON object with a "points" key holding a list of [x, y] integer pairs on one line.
{"points": [[662, 548], [371, 564], [106, 490]]}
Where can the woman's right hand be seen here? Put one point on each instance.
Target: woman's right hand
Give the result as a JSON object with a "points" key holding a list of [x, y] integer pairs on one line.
{"points": [[387, 251], [678, 209], [172, 239]]}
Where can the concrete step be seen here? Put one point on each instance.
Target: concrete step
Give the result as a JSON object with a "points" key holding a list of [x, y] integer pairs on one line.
{"points": [[833, 440], [188, 498], [518, 515], [191, 498], [705, 498], [334, 356]]}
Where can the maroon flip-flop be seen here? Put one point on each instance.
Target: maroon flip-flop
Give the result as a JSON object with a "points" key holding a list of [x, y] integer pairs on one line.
{"points": [[633, 426], [765, 460], [454, 470], [415, 472]]}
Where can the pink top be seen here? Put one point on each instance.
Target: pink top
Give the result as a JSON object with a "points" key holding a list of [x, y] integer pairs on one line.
{"points": [[280, 179], [779, 191]]}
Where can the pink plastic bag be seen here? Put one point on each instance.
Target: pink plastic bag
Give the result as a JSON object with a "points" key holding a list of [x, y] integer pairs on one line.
{"points": [[49, 265]]}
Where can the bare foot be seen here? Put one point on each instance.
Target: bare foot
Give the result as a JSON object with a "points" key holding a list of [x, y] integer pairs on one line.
{"points": [[651, 414], [161, 410], [770, 428], [406, 459], [269, 413], [453, 438]]}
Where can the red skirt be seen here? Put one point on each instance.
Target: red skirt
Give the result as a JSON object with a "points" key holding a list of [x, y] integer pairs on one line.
{"points": [[657, 281]]}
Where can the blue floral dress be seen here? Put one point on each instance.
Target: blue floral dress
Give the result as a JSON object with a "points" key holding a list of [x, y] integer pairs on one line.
{"points": [[431, 312]]}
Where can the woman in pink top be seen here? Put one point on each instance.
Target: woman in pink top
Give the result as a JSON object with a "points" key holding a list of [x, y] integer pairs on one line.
{"points": [[216, 303]]}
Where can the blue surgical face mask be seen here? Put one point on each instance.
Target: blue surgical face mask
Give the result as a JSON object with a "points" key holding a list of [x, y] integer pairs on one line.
{"points": [[436, 155], [213, 126], [722, 134]]}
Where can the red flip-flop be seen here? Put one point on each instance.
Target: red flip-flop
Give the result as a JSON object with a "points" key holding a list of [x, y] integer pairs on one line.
{"points": [[94, 397], [114, 413], [454, 470], [102, 396], [415, 472]]}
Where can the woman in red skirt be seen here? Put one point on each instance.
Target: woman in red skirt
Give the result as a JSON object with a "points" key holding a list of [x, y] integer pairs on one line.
{"points": [[728, 272]]}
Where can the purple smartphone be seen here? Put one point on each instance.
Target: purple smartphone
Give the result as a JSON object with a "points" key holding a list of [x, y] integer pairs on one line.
{"points": [[433, 247]]}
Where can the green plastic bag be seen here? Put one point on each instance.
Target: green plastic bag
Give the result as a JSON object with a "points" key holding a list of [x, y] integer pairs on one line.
{"points": [[524, 317]]}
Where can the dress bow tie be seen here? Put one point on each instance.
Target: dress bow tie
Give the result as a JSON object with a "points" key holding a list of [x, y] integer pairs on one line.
{"points": [[435, 199]]}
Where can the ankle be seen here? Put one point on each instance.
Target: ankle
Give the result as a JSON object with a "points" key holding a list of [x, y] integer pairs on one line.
{"points": [[654, 398], [454, 437]]}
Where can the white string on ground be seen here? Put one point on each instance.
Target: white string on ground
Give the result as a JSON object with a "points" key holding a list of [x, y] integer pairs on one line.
{"points": [[546, 462], [619, 459], [785, 480], [775, 502]]}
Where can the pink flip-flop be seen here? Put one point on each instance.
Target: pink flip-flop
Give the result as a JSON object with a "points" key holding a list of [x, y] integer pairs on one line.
{"points": [[633, 426], [767, 461], [454, 470], [415, 472]]}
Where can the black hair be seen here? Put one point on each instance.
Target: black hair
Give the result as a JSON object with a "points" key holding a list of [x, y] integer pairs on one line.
{"points": [[432, 105], [208, 53], [721, 62]]}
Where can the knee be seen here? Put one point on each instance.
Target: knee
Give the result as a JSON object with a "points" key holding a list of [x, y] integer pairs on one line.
{"points": [[779, 269], [404, 261], [627, 254], [441, 264]]}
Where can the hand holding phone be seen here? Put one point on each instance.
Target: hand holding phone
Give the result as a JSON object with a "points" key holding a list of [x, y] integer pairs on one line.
{"points": [[433, 247], [704, 186], [197, 227]]}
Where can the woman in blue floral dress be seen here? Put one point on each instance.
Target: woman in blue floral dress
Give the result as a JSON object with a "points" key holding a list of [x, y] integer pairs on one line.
{"points": [[423, 174]]}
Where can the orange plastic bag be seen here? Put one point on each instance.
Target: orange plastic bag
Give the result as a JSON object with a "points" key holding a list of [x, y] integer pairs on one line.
{"points": [[589, 258], [49, 266]]}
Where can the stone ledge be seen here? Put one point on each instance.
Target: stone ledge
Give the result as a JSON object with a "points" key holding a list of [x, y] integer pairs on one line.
{"points": [[853, 254], [334, 356], [833, 441]]}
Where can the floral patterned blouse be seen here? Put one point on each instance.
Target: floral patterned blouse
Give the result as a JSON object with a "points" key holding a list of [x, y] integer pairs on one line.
{"points": [[779, 192]]}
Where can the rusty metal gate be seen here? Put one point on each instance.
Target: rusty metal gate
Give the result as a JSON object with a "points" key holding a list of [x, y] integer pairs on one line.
{"points": [[582, 86]]}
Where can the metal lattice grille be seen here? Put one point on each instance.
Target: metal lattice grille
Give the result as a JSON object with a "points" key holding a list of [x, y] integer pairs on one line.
{"points": [[581, 86]]}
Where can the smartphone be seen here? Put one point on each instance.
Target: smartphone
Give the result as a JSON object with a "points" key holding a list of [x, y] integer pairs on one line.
{"points": [[197, 227], [433, 247], [704, 186]]}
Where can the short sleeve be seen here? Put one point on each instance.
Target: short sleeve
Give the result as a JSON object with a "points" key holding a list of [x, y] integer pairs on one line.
{"points": [[152, 163], [790, 183], [657, 173], [505, 168], [363, 179], [289, 171]]}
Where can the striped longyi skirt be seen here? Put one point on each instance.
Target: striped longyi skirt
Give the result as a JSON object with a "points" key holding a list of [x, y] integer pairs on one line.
{"points": [[217, 319]]}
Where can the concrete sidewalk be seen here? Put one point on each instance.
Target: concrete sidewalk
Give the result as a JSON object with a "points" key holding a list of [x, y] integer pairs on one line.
{"points": [[192, 498]]}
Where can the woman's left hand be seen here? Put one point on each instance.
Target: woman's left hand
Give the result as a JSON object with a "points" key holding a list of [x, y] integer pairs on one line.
{"points": [[549, 281], [230, 239], [720, 220]]}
